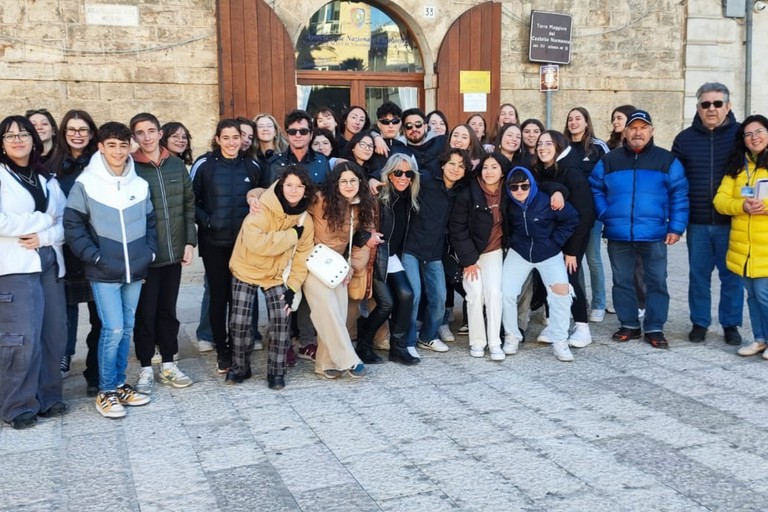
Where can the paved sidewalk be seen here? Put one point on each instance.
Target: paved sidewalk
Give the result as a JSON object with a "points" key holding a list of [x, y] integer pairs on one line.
{"points": [[624, 427]]}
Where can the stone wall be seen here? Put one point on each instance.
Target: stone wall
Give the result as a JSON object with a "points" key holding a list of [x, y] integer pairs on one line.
{"points": [[624, 51]]}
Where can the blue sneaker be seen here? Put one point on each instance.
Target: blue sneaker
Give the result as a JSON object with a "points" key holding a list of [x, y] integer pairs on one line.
{"points": [[357, 371]]}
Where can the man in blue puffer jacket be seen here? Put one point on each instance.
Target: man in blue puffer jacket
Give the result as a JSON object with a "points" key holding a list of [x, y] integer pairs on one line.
{"points": [[704, 149], [641, 195]]}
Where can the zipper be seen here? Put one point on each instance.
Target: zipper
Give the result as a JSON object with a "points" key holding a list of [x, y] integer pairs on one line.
{"points": [[528, 234], [632, 205], [164, 197], [124, 242]]}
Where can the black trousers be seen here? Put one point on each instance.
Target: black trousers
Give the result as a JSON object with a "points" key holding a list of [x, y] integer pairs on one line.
{"points": [[91, 372], [156, 321], [216, 263], [394, 301]]}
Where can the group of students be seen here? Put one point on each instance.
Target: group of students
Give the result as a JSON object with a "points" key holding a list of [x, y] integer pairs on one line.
{"points": [[419, 211]]}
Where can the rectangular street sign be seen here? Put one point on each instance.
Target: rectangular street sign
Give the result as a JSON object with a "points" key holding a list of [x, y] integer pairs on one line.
{"points": [[550, 40]]}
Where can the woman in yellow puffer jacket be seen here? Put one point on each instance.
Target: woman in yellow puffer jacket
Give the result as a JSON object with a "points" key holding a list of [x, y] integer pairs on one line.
{"points": [[742, 196]]}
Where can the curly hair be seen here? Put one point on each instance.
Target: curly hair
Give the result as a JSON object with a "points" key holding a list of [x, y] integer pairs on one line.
{"points": [[336, 205]]}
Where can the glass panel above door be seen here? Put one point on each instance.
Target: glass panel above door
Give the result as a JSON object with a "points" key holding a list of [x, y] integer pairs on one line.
{"points": [[356, 36], [405, 97], [335, 97]]}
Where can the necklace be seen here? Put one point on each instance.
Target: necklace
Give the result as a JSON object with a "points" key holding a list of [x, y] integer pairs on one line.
{"points": [[31, 180]]}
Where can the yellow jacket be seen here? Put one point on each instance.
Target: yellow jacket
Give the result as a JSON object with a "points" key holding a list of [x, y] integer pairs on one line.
{"points": [[748, 242], [265, 244]]}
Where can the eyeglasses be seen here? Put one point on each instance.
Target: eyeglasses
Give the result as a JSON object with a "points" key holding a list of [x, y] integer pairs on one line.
{"points": [[78, 131], [411, 126], [706, 104], [408, 174], [387, 122], [520, 186], [179, 137], [365, 145], [349, 183], [298, 131], [756, 133], [21, 137]]}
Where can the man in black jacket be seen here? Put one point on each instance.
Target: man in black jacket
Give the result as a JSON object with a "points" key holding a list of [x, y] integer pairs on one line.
{"points": [[704, 149]]}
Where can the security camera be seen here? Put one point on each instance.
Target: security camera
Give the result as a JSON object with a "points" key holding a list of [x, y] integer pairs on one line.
{"points": [[760, 6]]}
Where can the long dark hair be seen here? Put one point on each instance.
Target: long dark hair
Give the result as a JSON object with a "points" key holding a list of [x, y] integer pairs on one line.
{"points": [[61, 149], [476, 150], [347, 154], [561, 144], [503, 130], [345, 115], [525, 123], [614, 140], [336, 205], [171, 128], [589, 132], [25, 125], [328, 134], [223, 124], [310, 189], [740, 150]]}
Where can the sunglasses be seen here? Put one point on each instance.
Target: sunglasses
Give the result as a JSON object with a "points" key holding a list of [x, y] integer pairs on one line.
{"points": [[387, 122], [298, 131], [520, 186], [408, 174], [706, 104], [37, 111], [411, 126]]}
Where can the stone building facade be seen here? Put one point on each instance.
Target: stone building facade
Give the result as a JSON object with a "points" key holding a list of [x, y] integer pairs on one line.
{"points": [[118, 57]]}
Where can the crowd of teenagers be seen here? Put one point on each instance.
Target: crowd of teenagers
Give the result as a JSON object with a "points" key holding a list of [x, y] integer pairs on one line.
{"points": [[504, 212]]}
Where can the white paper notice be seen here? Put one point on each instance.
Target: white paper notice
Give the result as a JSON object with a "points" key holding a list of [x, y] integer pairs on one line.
{"points": [[475, 102]]}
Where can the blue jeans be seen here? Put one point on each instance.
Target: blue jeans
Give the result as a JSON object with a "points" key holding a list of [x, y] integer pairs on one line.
{"points": [[707, 246], [434, 280], [757, 302], [73, 311], [204, 332], [654, 258], [595, 264], [116, 303]]}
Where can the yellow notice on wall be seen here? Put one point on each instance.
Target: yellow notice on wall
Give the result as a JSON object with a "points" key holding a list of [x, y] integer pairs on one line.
{"points": [[475, 81]]}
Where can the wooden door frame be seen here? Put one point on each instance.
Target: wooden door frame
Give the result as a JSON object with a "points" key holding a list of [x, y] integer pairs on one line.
{"points": [[357, 81]]}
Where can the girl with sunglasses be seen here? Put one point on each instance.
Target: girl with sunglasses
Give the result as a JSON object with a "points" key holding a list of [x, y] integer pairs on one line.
{"points": [[397, 200]]}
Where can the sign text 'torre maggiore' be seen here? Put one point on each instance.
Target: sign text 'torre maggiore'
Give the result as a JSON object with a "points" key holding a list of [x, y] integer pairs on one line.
{"points": [[550, 37]]}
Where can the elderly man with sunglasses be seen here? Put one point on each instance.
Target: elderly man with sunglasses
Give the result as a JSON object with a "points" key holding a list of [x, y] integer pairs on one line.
{"points": [[704, 149], [298, 127]]}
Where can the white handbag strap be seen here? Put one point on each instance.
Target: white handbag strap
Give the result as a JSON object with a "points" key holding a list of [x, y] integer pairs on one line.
{"points": [[351, 233], [293, 253]]}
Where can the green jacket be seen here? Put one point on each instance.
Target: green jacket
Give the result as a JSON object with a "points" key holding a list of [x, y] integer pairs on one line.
{"points": [[174, 202]]}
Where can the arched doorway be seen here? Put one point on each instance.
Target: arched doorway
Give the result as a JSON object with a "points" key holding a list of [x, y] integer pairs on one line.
{"points": [[355, 53]]}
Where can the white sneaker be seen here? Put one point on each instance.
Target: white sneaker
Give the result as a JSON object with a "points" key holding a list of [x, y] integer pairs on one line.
{"points": [[580, 337], [205, 346], [412, 351], [497, 354], [146, 381], [640, 313], [752, 349], [511, 345], [435, 345], [561, 351], [610, 309], [173, 376], [476, 352], [157, 358], [597, 315], [545, 336], [445, 333], [464, 329]]}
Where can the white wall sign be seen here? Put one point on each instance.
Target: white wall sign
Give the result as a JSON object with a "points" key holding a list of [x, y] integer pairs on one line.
{"points": [[475, 102], [105, 14]]}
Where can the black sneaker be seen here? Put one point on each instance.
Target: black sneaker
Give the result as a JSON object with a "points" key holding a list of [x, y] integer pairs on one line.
{"points": [[57, 409], [732, 336], [698, 334], [64, 366], [656, 339], [626, 334], [23, 420]]}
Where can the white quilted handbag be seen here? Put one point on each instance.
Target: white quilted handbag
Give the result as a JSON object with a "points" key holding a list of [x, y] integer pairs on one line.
{"points": [[327, 265]]}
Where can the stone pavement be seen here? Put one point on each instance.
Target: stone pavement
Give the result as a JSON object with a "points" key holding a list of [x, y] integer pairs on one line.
{"points": [[624, 427]]}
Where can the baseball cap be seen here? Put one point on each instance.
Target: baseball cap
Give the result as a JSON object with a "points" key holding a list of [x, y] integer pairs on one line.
{"points": [[640, 115]]}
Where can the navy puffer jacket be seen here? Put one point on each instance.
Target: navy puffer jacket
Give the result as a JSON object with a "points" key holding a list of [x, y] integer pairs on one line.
{"points": [[704, 154]]}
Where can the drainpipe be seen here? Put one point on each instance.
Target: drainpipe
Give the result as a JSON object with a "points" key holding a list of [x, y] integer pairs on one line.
{"points": [[748, 59]]}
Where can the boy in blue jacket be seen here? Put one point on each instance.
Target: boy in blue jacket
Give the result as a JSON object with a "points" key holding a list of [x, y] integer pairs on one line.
{"points": [[536, 237]]}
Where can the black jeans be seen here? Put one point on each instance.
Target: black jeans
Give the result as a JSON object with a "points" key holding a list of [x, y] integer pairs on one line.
{"points": [[394, 300], [216, 263], [91, 372], [156, 321]]}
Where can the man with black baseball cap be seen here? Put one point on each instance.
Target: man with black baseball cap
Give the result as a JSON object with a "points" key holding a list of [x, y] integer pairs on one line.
{"points": [[641, 195]]}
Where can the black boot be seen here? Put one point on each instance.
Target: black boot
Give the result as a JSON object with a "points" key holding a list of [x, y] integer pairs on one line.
{"points": [[364, 347], [398, 353]]}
